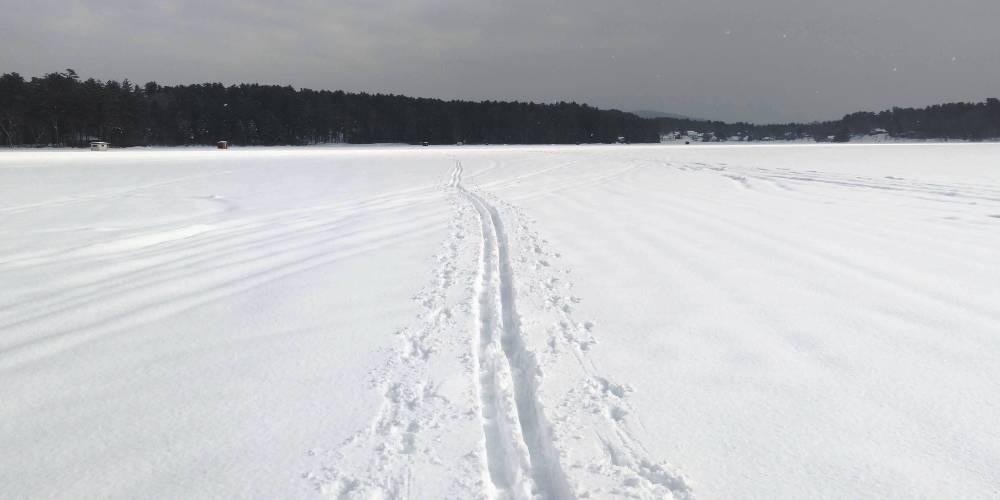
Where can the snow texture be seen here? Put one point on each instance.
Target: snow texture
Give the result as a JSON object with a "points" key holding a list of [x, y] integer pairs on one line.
{"points": [[767, 321]]}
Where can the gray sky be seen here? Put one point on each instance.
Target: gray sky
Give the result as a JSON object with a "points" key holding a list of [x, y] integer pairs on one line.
{"points": [[755, 60]]}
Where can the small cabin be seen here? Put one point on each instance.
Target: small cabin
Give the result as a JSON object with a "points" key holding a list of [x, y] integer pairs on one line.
{"points": [[99, 146], [222, 144]]}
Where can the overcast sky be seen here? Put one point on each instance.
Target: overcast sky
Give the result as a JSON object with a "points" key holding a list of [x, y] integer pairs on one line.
{"points": [[754, 60]]}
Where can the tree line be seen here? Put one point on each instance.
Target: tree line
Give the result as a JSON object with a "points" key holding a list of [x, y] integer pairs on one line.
{"points": [[62, 109], [963, 121]]}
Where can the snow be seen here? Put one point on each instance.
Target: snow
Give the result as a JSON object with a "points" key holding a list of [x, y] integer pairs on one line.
{"points": [[759, 321]]}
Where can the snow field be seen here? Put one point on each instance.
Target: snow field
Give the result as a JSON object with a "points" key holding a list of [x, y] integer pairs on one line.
{"points": [[501, 322]]}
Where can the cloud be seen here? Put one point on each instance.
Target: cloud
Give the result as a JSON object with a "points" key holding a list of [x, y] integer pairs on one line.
{"points": [[766, 60]]}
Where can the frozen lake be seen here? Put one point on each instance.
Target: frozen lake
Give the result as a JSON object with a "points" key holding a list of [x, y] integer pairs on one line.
{"points": [[501, 322]]}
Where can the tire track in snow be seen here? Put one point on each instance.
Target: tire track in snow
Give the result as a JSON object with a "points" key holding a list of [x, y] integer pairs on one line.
{"points": [[521, 459]]}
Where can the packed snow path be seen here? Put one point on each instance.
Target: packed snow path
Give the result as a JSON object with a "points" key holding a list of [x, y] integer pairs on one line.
{"points": [[501, 322]]}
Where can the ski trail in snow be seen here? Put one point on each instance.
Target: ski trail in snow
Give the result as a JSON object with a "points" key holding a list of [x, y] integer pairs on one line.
{"points": [[521, 459], [494, 440], [596, 409]]}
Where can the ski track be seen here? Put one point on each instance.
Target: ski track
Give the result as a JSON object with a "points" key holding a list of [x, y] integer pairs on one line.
{"points": [[596, 407], [521, 458], [517, 454]]}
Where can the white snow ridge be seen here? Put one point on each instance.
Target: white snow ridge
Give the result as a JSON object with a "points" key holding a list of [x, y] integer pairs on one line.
{"points": [[557, 322]]}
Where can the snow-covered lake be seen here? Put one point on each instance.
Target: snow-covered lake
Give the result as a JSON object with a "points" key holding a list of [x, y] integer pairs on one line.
{"points": [[501, 322]]}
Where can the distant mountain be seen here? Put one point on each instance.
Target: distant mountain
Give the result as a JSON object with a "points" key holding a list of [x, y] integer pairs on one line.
{"points": [[646, 113]]}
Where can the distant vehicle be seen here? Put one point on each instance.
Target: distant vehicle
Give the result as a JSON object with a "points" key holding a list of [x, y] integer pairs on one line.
{"points": [[99, 146], [222, 144], [424, 143]]}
